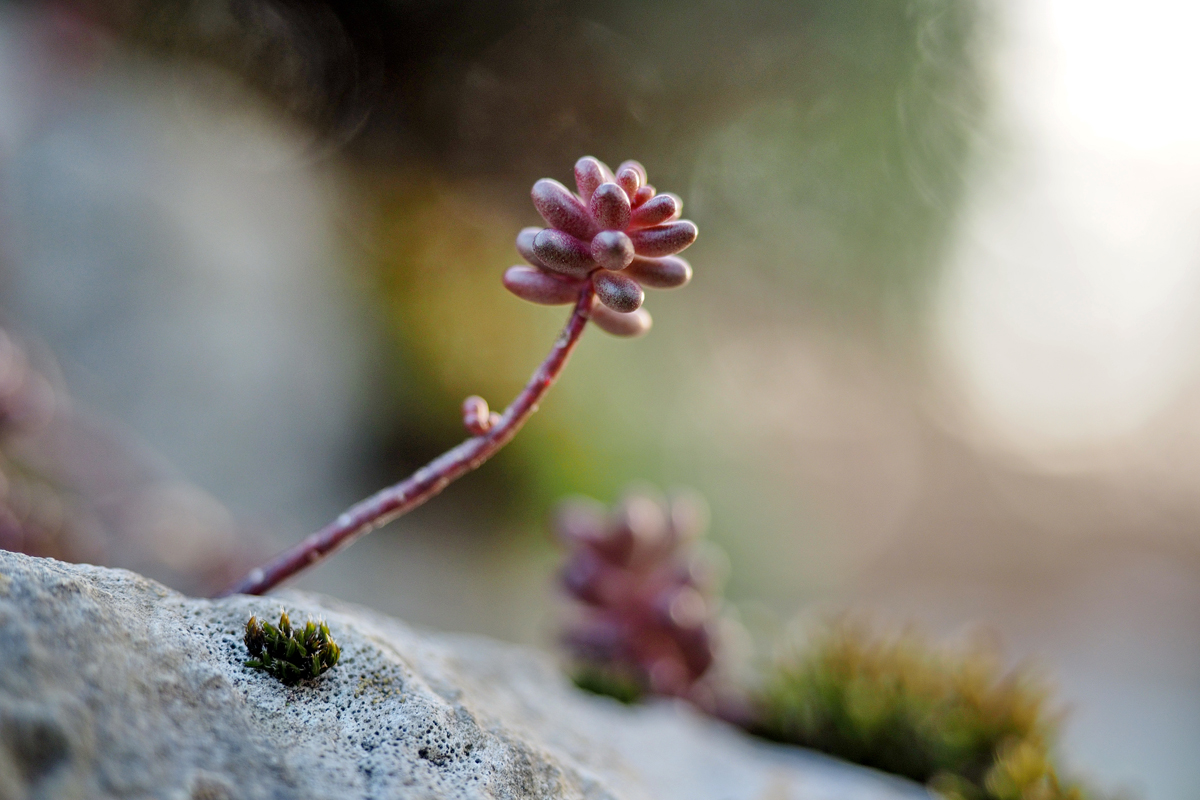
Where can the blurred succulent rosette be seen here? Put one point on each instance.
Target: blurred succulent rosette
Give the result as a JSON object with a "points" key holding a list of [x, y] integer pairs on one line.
{"points": [[647, 592], [616, 232]]}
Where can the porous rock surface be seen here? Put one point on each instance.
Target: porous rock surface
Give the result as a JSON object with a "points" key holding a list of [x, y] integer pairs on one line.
{"points": [[113, 686]]}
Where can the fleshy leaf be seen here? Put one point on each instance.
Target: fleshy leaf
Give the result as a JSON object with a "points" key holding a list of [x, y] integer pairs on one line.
{"points": [[668, 272], [635, 324], [664, 240]]}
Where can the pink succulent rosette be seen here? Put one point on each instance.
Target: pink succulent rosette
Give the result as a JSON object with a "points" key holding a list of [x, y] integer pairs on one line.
{"points": [[617, 232], [647, 597]]}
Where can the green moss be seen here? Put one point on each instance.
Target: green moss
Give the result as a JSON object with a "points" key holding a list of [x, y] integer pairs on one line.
{"points": [[608, 682], [288, 654], [953, 720]]}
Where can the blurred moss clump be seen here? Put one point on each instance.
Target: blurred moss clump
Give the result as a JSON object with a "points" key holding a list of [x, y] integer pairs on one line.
{"points": [[951, 719], [608, 682]]}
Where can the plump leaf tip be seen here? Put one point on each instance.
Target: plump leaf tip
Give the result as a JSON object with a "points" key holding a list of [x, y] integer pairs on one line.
{"points": [[290, 654], [615, 231]]}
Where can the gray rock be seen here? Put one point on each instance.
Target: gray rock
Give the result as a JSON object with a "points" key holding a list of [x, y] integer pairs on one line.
{"points": [[114, 686]]}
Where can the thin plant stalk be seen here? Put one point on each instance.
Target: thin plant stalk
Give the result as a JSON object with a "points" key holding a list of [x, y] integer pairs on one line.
{"points": [[394, 501]]}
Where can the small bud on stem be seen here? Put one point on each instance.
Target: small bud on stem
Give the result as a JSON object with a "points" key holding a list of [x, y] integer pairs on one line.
{"points": [[476, 417]]}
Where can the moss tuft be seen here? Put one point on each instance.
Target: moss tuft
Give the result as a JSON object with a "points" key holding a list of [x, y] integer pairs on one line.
{"points": [[952, 720], [289, 654], [608, 682]]}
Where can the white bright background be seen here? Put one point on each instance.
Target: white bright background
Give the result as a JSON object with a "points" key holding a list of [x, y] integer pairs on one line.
{"points": [[1070, 310], [1068, 326]]}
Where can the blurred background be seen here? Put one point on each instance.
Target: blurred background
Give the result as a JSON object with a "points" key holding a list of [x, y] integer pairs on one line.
{"points": [[940, 360]]}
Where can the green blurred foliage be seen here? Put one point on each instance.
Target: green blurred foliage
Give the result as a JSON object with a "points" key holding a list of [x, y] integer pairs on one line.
{"points": [[825, 142], [822, 147], [952, 719], [820, 150]]}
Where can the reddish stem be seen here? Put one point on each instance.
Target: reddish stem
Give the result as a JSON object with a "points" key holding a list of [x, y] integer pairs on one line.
{"points": [[384, 506]]}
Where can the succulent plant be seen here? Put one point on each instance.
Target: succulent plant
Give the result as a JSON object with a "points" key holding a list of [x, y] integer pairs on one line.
{"points": [[617, 233], [648, 597], [289, 654], [603, 245]]}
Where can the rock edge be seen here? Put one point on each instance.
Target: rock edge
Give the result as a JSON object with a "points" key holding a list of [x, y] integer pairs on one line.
{"points": [[112, 686]]}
